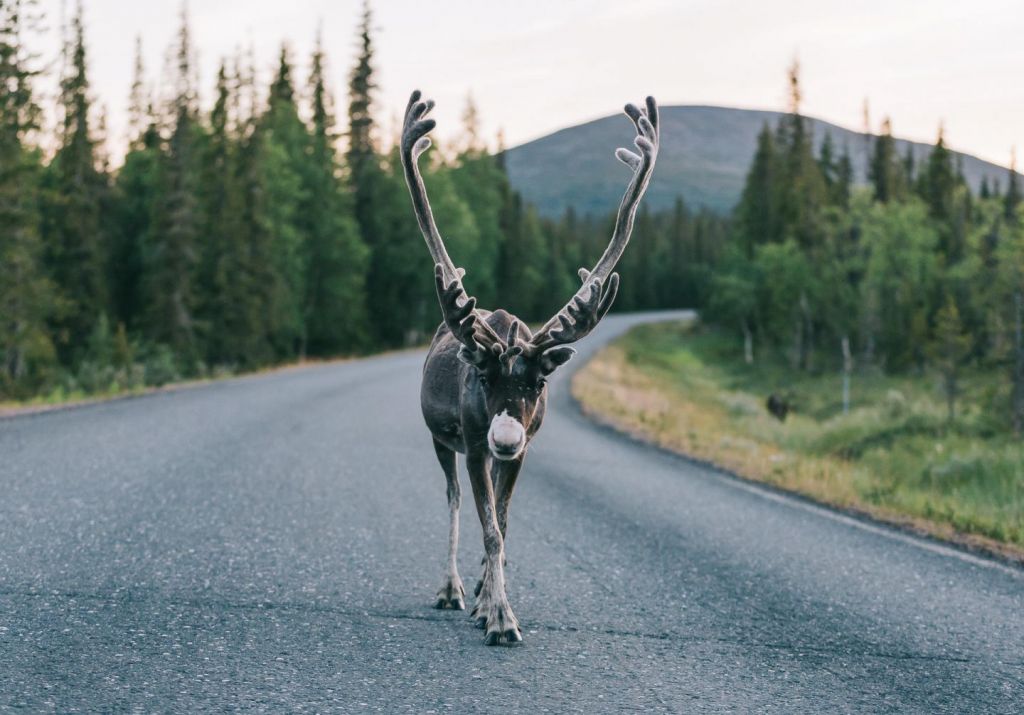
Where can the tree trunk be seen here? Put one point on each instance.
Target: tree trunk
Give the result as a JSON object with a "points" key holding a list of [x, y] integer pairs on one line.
{"points": [[868, 325], [807, 345], [748, 344], [796, 352], [847, 370], [1018, 364], [951, 387]]}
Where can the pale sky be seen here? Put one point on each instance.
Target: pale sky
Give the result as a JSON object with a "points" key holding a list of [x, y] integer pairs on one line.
{"points": [[534, 67]]}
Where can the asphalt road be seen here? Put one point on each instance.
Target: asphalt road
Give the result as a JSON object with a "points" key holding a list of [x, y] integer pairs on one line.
{"points": [[274, 544]]}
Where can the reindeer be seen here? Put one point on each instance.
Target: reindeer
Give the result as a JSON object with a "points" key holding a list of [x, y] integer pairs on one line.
{"points": [[483, 392]]}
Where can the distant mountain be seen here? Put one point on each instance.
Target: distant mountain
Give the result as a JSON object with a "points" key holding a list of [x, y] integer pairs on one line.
{"points": [[705, 154]]}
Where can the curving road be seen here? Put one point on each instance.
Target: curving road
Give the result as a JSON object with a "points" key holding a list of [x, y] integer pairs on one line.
{"points": [[274, 543]]}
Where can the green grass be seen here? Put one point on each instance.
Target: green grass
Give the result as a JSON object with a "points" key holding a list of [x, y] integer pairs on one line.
{"points": [[894, 455]]}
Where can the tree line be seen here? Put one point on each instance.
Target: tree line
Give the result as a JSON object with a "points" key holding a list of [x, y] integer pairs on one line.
{"points": [[263, 229], [909, 273], [240, 235]]}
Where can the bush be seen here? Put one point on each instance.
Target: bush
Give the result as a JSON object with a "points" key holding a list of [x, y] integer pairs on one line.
{"points": [[161, 366]]}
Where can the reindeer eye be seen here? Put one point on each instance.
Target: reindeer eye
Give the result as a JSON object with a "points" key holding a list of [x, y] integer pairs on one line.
{"points": [[541, 383], [483, 379]]}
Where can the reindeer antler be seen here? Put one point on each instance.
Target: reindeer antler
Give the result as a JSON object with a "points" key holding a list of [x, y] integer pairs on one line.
{"points": [[459, 309], [600, 285]]}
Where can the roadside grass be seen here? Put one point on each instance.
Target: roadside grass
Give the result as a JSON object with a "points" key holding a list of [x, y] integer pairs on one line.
{"points": [[894, 456], [63, 395]]}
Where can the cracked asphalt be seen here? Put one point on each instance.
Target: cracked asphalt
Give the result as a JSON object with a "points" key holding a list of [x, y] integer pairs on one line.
{"points": [[274, 543]]}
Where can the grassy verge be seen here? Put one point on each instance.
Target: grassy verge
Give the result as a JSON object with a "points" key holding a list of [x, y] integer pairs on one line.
{"points": [[60, 397], [893, 456]]}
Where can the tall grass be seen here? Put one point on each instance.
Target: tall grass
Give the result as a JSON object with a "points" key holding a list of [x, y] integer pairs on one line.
{"points": [[894, 454]]}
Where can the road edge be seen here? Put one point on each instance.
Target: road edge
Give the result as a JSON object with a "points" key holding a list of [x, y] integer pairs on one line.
{"points": [[1011, 560]]}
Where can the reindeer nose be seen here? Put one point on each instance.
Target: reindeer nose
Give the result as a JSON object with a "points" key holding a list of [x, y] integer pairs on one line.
{"points": [[506, 437]]}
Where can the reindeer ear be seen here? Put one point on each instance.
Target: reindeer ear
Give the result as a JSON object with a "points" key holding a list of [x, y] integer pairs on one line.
{"points": [[471, 357], [555, 358]]}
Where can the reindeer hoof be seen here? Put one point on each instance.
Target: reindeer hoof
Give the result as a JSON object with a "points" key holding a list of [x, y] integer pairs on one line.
{"points": [[502, 626], [509, 636], [452, 596], [452, 604]]}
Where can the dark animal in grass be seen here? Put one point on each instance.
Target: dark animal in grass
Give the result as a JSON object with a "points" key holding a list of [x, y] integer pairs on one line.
{"points": [[483, 392], [779, 406]]}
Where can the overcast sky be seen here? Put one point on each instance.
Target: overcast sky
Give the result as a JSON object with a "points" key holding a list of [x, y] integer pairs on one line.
{"points": [[535, 66]]}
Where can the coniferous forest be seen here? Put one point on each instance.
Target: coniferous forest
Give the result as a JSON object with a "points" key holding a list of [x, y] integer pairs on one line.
{"points": [[268, 227], [274, 225]]}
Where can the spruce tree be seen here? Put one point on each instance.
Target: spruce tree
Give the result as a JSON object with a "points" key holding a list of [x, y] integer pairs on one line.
{"points": [[399, 281], [134, 193], [138, 100], [937, 180], [757, 213], [79, 247], [284, 144], [1012, 197], [843, 185], [884, 167], [909, 168], [251, 295], [172, 256], [949, 350], [222, 280], [335, 301], [27, 297], [361, 154], [802, 192]]}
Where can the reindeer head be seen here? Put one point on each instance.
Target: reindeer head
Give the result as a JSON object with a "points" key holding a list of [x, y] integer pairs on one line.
{"points": [[510, 370]]}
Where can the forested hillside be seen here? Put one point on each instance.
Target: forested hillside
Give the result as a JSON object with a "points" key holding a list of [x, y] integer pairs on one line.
{"points": [[704, 159], [913, 274]]}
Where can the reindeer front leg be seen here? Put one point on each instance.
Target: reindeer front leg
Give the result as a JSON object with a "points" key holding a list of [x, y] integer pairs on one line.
{"points": [[492, 610], [452, 593], [505, 474]]}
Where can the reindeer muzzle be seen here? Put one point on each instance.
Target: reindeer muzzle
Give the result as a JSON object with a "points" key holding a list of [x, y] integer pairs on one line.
{"points": [[506, 437]]}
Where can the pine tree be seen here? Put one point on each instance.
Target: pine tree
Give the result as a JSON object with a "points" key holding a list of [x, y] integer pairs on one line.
{"points": [[74, 229], [335, 301], [937, 180], [139, 117], [682, 280], [1012, 197], [251, 299], [471, 143], [482, 184], [524, 260], [802, 188], [843, 185], [884, 168], [284, 146], [909, 168], [222, 281], [361, 154], [948, 351], [135, 187], [376, 202], [757, 213], [984, 192], [827, 162], [173, 254], [27, 297]]}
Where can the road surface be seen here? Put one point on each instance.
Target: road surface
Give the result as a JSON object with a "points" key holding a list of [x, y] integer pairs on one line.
{"points": [[274, 543]]}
